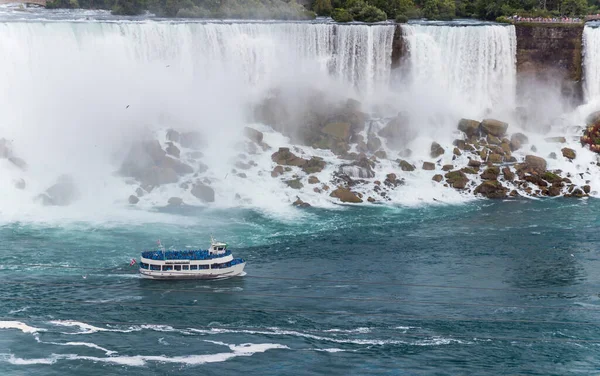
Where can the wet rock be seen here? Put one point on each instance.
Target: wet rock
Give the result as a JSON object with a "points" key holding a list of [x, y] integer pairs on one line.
{"points": [[534, 163], [491, 173], [437, 177], [381, 154], [253, 135], [436, 150], [494, 127], [517, 140], [173, 150], [397, 131], [554, 191], [277, 171], [468, 170], [568, 153], [495, 158], [456, 152], [285, 157], [493, 140], [242, 175], [173, 135], [373, 143], [392, 180], [339, 131], [190, 140], [457, 179], [203, 192], [133, 200], [371, 199], [552, 155], [551, 177], [469, 127], [491, 189], [313, 180], [428, 166], [593, 118], [175, 201], [587, 189], [362, 168], [405, 166], [294, 183], [508, 174], [202, 168], [535, 179], [300, 204], [447, 167], [474, 163], [533, 149], [345, 195], [62, 193], [557, 140]]}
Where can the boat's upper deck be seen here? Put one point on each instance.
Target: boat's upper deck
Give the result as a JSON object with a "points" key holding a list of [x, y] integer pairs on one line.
{"points": [[184, 255]]}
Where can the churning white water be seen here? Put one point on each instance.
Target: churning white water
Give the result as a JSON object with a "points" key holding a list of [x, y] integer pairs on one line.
{"points": [[474, 66]]}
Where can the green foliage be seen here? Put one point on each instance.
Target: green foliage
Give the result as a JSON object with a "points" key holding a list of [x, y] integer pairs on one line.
{"points": [[370, 13], [439, 9], [574, 7], [322, 7], [401, 18], [129, 7], [341, 15]]}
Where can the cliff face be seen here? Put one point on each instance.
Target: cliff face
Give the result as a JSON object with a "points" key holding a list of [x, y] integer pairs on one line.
{"points": [[551, 53]]}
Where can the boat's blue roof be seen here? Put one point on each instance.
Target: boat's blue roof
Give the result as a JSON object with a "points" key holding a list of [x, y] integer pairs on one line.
{"points": [[200, 254]]}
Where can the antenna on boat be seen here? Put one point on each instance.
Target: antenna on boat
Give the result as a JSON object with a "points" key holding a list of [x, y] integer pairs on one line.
{"points": [[160, 246]]}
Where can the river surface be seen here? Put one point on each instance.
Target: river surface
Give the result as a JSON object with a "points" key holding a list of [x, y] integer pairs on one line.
{"points": [[483, 288]]}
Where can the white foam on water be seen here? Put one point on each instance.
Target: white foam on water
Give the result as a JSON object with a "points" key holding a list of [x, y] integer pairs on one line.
{"points": [[20, 326], [246, 349], [88, 329]]}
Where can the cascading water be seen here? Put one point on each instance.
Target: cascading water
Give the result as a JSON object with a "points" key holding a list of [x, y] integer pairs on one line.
{"points": [[75, 93], [591, 65], [474, 67]]}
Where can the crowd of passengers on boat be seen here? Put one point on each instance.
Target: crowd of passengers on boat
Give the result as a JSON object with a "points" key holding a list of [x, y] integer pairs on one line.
{"points": [[183, 255], [167, 268]]}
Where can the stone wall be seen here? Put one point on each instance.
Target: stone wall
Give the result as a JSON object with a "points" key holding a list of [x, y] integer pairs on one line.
{"points": [[553, 54]]}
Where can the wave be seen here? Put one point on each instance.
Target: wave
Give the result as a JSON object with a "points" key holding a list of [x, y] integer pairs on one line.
{"points": [[20, 326], [245, 349]]}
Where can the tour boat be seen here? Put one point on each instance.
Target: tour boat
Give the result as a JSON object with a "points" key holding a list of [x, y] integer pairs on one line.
{"points": [[216, 262]]}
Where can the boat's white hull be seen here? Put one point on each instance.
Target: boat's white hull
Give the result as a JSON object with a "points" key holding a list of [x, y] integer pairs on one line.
{"points": [[194, 274]]}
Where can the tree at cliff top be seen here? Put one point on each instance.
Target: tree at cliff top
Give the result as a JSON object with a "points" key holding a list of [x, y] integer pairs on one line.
{"points": [[240, 9], [129, 7], [439, 9], [322, 7]]}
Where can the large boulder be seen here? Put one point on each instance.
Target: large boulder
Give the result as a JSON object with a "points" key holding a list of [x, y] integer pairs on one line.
{"points": [[494, 127], [62, 193], [362, 168], [469, 127], [253, 134], [534, 163], [339, 131], [491, 173], [203, 192], [397, 131], [491, 189], [173, 150], [345, 195], [285, 157], [568, 153], [457, 179], [436, 150], [373, 143], [314, 165], [405, 166]]}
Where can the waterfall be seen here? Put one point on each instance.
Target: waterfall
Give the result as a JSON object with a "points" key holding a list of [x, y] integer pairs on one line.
{"points": [[473, 65], [591, 63]]}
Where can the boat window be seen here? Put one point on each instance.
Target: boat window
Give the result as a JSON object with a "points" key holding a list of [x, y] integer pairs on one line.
{"points": [[167, 268], [193, 267], [185, 267], [178, 267]]}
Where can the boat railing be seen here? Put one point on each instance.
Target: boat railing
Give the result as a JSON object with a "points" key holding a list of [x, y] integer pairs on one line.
{"points": [[183, 255]]}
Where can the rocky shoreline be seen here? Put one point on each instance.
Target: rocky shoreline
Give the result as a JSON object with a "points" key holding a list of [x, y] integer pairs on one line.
{"points": [[356, 163]]}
